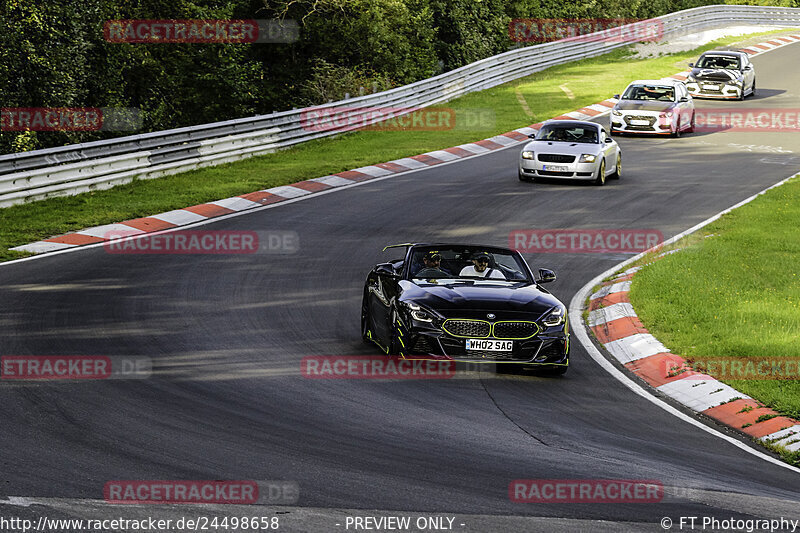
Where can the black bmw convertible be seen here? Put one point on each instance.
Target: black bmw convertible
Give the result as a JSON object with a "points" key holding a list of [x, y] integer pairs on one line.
{"points": [[469, 303]]}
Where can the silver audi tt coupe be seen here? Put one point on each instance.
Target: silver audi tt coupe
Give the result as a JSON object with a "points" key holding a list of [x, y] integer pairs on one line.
{"points": [[571, 149]]}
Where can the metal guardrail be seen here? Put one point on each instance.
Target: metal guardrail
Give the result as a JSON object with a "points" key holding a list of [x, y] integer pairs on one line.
{"points": [[74, 169]]}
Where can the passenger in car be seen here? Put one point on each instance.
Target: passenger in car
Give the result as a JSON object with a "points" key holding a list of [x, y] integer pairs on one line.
{"points": [[480, 267]]}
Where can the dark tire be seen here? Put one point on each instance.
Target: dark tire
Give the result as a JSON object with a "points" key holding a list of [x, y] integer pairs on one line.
{"points": [[691, 124], [522, 177], [677, 132], [601, 174], [618, 170], [365, 320], [395, 343], [742, 95], [753, 90]]}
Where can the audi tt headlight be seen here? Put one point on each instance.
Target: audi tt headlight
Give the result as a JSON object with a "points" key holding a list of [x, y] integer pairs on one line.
{"points": [[587, 158], [616, 112], [555, 318], [527, 155], [418, 313]]}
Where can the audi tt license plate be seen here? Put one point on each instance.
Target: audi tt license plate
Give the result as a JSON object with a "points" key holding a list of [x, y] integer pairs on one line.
{"points": [[711, 87], [558, 168], [489, 345], [635, 122]]}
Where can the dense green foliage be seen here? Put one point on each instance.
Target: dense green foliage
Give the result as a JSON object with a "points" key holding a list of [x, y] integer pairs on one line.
{"points": [[53, 54]]}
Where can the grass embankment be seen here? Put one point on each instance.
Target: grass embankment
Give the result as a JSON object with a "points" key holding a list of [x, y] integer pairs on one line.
{"points": [[733, 291], [544, 95]]}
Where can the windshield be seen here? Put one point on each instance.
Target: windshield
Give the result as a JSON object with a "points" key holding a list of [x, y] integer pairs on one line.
{"points": [[466, 262], [727, 62], [661, 93], [568, 133]]}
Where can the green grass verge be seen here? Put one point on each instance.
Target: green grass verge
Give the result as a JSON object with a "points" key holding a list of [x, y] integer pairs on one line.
{"points": [[733, 291], [587, 82]]}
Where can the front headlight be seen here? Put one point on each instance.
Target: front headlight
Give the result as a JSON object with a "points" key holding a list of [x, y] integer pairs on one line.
{"points": [[417, 312], [616, 112], [739, 81], [691, 79], [555, 318], [527, 155], [587, 158], [666, 115]]}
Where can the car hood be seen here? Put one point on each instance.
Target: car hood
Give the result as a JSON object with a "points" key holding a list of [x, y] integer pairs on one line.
{"points": [[447, 296], [716, 74], [644, 105], [558, 147]]}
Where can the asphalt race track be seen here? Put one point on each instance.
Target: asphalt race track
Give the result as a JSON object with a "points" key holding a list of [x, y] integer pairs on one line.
{"points": [[227, 333]]}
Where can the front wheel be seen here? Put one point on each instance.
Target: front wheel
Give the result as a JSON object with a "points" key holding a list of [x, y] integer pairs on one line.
{"points": [[742, 94], [523, 177], [396, 343], [691, 125], [753, 90], [601, 174], [618, 170], [365, 320]]}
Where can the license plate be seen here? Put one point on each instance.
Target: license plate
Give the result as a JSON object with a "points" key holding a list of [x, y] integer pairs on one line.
{"points": [[711, 87], [636, 122], [562, 168], [489, 345]]}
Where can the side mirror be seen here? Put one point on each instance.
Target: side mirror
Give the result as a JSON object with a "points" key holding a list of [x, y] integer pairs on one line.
{"points": [[691, 65], [608, 140], [749, 67], [386, 269], [531, 136], [546, 276], [616, 96], [684, 99]]}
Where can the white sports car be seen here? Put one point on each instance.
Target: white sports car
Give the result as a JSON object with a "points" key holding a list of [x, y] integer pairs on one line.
{"points": [[572, 149], [654, 106]]}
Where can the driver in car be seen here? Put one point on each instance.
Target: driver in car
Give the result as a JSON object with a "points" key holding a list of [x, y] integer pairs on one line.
{"points": [[480, 268], [432, 266]]}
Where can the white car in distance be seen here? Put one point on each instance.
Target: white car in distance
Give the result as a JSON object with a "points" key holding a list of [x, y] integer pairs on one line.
{"points": [[657, 107]]}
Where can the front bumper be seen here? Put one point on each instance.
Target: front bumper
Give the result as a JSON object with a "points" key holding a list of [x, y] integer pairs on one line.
{"points": [[724, 91], [578, 171], [548, 347], [639, 122]]}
